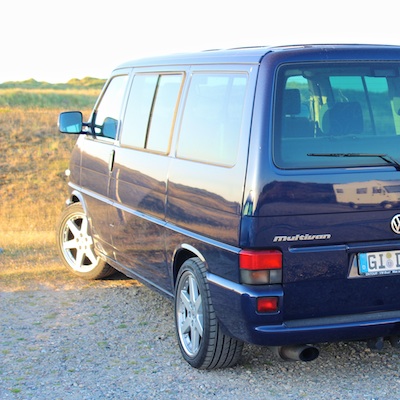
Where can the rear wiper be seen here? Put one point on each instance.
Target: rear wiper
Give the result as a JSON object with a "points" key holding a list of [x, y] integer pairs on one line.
{"points": [[390, 160]]}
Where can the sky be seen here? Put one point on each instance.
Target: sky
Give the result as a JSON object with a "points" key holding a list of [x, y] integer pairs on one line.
{"points": [[55, 41]]}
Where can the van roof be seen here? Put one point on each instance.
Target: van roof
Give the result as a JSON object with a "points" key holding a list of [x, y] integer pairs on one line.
{"points": [[247, 55]]}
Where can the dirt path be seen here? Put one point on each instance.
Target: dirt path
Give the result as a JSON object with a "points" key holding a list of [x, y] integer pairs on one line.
{"points": [[65, 338]]}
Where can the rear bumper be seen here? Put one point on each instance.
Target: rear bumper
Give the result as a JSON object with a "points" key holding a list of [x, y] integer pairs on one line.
{"points": [[235, 306], [318, 330]]}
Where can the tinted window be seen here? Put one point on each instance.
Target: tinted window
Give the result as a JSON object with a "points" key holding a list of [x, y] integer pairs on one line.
{"points": [[107, 114], [151, 111], [138, 110], [336, 115], [212, 118], [163, 114]]}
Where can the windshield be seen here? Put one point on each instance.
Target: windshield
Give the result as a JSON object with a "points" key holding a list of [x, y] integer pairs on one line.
{"points": [[328, 109]]}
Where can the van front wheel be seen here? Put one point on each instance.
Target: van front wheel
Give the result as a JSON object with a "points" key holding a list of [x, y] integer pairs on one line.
{"points": [[202, 343], [75, 245]]}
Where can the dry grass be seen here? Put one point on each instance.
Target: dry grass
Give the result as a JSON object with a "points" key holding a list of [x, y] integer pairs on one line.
{"points": [[33, 189], [29, 262], [35, 155], [32, 194]]}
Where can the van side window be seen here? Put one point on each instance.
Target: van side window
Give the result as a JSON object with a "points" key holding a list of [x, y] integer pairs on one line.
{"points": [[212, 118], [151, 110], [107, 114]]}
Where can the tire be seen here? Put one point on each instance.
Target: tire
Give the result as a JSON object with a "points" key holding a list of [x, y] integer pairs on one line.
{"points": [[75, 245], [201, 341]]}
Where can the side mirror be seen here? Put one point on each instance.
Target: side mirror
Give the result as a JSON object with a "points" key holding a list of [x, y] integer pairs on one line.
{"points": [[70, 122], [109, 128]]}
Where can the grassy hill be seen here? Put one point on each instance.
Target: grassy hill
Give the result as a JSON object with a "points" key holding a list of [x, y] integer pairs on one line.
{"points": [[75, 94], [85, 83]]}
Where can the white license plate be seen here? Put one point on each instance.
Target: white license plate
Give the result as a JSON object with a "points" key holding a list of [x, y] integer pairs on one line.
{"points": [[379, 263]]}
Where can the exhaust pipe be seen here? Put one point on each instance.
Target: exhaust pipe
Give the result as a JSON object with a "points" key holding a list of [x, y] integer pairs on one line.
{"points": [[395, 341], [375, 344], [378, 343], [296, 352]]}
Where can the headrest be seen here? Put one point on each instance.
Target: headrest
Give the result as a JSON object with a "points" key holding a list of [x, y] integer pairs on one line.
{"points": [[291, 102], [343, 119]]}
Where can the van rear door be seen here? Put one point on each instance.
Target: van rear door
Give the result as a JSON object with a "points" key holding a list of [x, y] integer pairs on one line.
{"points": [[329, 198]]}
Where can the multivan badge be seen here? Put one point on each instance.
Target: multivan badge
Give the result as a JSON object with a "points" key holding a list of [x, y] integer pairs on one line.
{"points": [[306, 236]]}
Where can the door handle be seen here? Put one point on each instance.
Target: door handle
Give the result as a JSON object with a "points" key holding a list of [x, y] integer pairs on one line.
{"points": [[111, 160]]}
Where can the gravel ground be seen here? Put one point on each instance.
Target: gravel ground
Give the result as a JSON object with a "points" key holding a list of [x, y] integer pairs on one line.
{"points": [[114, 339]]}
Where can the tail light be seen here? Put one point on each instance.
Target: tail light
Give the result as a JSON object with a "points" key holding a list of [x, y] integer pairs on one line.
{"points": [[260, 267], [267, 304]]}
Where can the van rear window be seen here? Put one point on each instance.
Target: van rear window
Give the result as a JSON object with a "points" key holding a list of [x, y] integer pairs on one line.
{"points": [[329, 115]]}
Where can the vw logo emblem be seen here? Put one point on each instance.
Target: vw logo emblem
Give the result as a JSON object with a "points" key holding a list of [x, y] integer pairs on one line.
{"points": [[395, 224]]}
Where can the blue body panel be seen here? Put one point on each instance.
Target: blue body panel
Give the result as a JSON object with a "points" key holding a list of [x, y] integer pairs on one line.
{"points": [[150, 211]]}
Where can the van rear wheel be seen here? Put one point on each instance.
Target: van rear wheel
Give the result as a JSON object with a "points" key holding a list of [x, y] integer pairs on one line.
{"points": [[202, 343], [75, 245]]}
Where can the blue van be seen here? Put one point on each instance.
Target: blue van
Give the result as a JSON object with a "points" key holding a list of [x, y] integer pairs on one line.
{"points": [[258, 188]]}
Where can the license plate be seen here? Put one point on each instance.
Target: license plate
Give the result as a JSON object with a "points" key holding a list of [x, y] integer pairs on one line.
{"points": [[379, 263]]}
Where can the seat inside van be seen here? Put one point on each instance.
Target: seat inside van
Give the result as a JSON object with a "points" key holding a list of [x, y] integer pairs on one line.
{"points": [[343, 119], [294, 123]]}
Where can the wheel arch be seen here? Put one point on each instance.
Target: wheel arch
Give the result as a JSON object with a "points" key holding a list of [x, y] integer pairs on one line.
{"points": [[181, 254], [76, 197]]}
